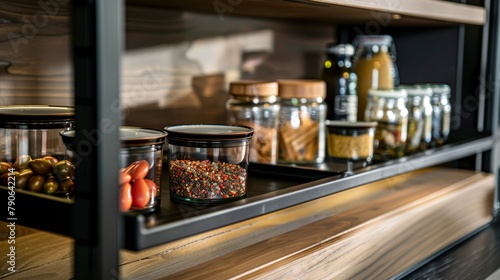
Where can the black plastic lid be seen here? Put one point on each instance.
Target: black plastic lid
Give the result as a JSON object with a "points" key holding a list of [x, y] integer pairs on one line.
{"points": [[209, 132], [347, 124], [35, 116], [129, 136]]}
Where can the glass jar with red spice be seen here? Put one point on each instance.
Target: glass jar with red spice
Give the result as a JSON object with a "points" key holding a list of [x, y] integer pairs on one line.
{"points": [[208, 164]]}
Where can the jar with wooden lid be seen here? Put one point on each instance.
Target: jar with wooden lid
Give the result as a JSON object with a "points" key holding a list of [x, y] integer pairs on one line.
{"points": [[301, 131], [374, 65], [255, 104], [388, 108], [419, 107]]}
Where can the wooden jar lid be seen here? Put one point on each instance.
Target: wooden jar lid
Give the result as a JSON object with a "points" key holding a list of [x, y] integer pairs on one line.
{"points": [[309, 89], [253, 88]]}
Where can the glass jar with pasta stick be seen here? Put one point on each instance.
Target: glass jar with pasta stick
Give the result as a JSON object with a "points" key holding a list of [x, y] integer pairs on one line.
{"points": [[255, 104], [301, 130]]}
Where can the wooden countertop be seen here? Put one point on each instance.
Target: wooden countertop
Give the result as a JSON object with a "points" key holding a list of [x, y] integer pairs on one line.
{"points": [[378, 231]]}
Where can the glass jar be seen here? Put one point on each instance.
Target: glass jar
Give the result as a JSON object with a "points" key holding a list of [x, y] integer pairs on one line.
{"points": [[207, 164], [350, 141], [441, 117], [301, 130], [419, 107], [375, 66], [341, 82], [33, 131], [141, 162], [30, 143], [255, 104], [388, 109]]}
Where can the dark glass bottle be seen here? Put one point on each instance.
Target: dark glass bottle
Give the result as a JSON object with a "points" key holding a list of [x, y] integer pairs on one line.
{"points": [[341, 83]]}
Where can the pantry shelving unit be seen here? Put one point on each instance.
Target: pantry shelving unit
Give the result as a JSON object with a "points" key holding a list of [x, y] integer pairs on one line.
{"points": [[97, 51]]}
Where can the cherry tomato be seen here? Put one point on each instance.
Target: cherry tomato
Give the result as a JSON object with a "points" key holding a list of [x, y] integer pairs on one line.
{"points": [[124, 178], [125, 197], [152, 187], [140, 193], [141, 170], [129, 169]]}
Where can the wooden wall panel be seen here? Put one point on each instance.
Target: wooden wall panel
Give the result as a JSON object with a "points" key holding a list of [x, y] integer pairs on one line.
{"points": [[175, 63]]}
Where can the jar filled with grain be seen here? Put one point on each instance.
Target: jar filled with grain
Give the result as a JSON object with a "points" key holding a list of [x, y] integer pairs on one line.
{"points": [[301, 130], [388, 108], [350, 141], [255, 104]]}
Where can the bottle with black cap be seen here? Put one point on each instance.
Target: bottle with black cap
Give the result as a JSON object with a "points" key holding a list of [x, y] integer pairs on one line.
{"points": [[341, 83]]}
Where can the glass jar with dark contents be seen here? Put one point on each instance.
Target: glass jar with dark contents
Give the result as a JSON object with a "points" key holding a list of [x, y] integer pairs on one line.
{"points": [[33, 130], [207, 164], [31, 146]]}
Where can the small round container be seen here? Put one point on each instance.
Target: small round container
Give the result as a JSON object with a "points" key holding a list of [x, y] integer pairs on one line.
{"points": [[302, 118], [208, 164], [255, 104], [33, 130], [141, 156], [350, 141]]}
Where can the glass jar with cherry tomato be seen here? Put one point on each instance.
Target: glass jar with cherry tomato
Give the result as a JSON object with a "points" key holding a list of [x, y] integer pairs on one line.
{"points": [[141, 156]]}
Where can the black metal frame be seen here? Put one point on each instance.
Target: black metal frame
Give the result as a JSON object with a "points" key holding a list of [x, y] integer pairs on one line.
{"points": [[97, 41], [494, 90]]}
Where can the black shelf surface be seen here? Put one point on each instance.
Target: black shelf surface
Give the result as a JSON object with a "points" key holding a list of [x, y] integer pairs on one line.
{"points": [[275, 187], [270, 188]]}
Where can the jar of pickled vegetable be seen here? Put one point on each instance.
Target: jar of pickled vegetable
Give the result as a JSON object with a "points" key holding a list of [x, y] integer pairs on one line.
{"points": [[441, 116], [388, 108], [419, 107]]}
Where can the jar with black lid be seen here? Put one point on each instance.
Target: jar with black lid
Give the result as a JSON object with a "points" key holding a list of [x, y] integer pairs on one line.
{"points": [[255, 104], [302, 119], [388, 109], [33, 130], [141, 163], [208, 163]]}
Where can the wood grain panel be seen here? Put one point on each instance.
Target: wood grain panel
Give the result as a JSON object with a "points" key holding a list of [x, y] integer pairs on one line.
{"points": [[413, 12], [375, 230]]}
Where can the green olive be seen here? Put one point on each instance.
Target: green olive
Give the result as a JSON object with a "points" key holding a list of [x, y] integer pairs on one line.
{"points": [[23, 177], [67, 185], [22, 162], [4, 179], [51, 185], [4, 167], [51, 159], [63, 170], [35, 183], [40, 166]]}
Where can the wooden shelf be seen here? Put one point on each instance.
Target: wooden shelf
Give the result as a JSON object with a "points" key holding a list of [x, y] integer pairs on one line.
{"points": [[382, 12], [377, 230]]}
